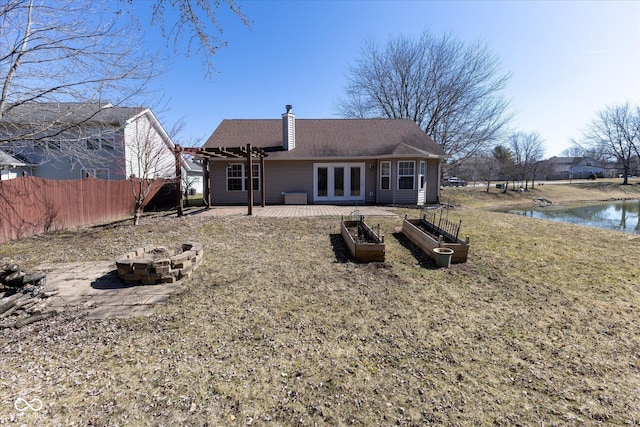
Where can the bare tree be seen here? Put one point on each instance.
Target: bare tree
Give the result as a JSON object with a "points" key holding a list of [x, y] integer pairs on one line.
{"points": [[506, 164], [89, 52], [575, 150], [150, 163], [528, 151], [450, 89], [615, 131], [483, 166], [581, 150], [188, 183], [65, 51], [198, 22]]}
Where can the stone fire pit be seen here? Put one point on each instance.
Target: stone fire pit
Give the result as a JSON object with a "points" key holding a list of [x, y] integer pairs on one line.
{"points": [[153, 265]]}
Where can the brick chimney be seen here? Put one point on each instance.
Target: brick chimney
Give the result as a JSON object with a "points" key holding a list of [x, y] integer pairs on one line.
{"points": [[288, 129]]}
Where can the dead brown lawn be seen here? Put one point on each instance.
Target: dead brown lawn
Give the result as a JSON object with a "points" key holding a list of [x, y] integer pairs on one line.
{"points": [[540, 327]]}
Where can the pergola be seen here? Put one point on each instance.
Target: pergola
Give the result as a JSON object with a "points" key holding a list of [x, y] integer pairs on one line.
{"points": [[248, 153]]}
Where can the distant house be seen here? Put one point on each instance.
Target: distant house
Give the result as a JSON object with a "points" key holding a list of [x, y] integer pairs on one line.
{"points": [[337, 161], [74, 141], [617, 168], [10, 167], [192, 176], [573, 168]]}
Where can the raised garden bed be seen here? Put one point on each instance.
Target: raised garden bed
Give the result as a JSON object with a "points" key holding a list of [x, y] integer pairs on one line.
{"points": [[429, 233], [364, 244]]}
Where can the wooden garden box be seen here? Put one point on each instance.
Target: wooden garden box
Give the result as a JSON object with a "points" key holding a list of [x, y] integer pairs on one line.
{"points": [[428, 235], [363, 243]]}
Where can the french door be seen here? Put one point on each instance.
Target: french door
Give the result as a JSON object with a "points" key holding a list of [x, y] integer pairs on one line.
{"points": [[338, 182]]}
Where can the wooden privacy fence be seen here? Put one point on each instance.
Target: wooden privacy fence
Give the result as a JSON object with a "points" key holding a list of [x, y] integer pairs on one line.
{"points": [[30, 205]]}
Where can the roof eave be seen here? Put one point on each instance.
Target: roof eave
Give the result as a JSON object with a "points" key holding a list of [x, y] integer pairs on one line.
{"points": [[346, 157]]}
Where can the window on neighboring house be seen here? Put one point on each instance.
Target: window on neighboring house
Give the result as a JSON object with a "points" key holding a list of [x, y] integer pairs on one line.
{"points": [[406, 175], [102, 173], [96, 173], [108, 143], [53, 144], [385, 175], [237, 177], [93, 144], [100, 142]]}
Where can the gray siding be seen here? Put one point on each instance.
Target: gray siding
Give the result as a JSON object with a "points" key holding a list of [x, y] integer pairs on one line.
{"points": [[288, 177], [297, 177], [394, 196], [73, 157], [281, 177], [371, 181], [433, 181]]}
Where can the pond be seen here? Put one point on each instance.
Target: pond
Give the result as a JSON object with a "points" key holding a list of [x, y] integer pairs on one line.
{"points": [[620, 215]]}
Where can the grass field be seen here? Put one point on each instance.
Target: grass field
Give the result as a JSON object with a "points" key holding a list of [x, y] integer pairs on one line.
{"points": [[540, 327]]}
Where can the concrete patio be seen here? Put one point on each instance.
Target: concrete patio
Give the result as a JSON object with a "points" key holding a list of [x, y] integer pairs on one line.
{"points": [[96, 287], [292, 211]]}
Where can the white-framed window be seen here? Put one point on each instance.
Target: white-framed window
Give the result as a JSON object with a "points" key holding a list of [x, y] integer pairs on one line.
{"points": [[93, 144], [406, 175], [108, 142], [101, 142], [96, 173], [53, 144], [237, 177], [256, 176], [235, 181], [385, 175]]}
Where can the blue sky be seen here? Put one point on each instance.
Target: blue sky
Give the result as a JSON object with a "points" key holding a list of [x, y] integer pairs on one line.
{"points": [[568, 59]]}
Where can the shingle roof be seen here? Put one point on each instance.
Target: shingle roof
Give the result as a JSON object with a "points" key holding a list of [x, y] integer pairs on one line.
{"points": [[12, 162], [191, 165], [316, 138], [69, 113]]}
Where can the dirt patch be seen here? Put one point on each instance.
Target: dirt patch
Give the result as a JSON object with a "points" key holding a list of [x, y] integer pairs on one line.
{"points": [[361, 235]]}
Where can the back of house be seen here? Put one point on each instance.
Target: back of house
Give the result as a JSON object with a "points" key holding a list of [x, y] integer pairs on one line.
{"points": [[331, 161]]}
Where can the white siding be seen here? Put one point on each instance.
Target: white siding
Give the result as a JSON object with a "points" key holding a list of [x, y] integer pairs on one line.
{"points": [[146, 152]]}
